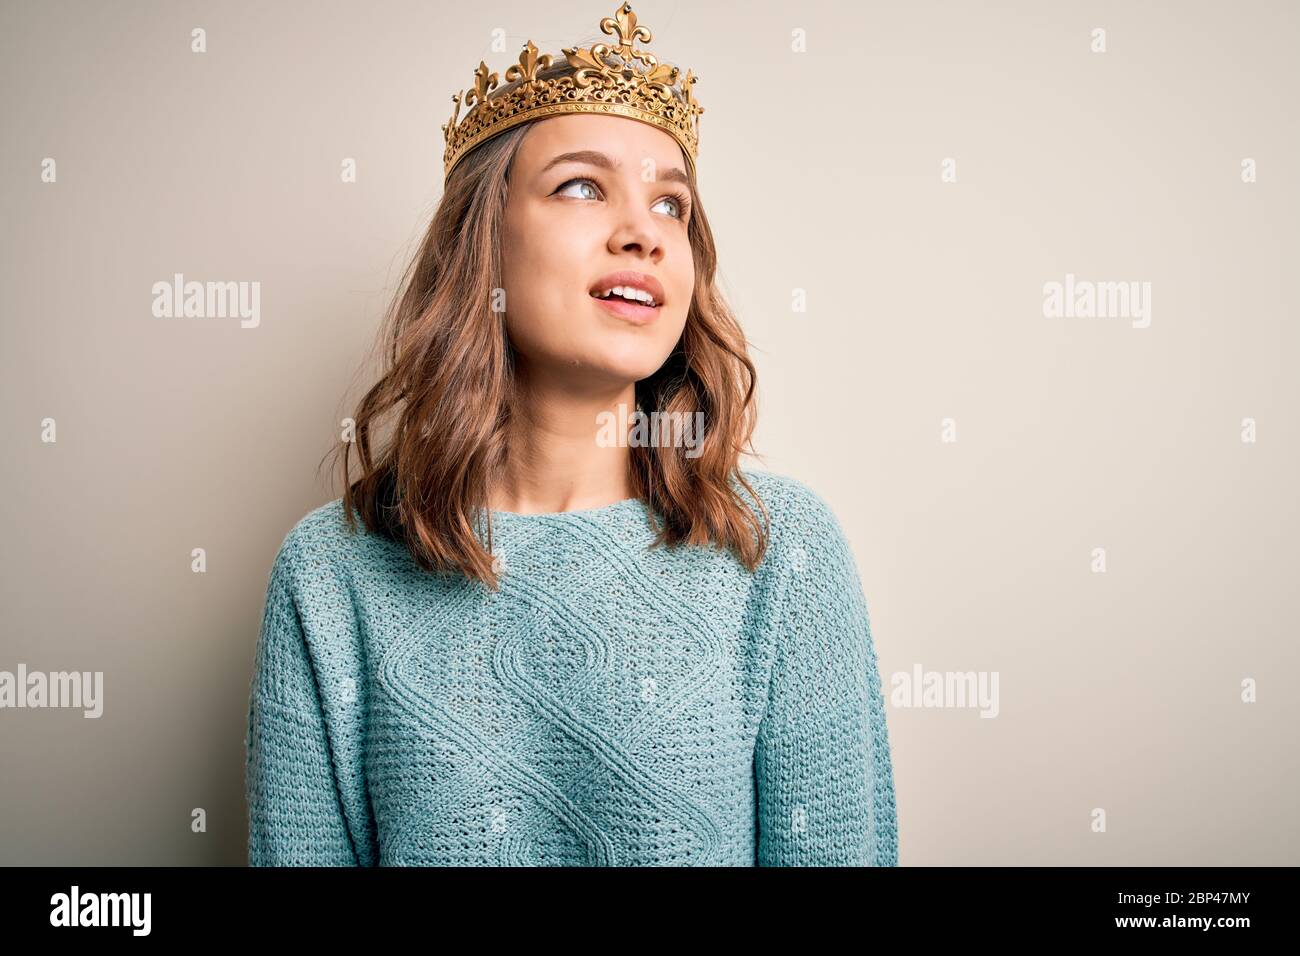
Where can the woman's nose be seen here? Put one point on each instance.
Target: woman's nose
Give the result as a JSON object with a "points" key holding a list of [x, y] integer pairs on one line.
{"points": [[636, 230]]}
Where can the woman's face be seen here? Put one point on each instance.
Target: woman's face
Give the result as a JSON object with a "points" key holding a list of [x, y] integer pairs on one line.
{"points": [[572, 224]]}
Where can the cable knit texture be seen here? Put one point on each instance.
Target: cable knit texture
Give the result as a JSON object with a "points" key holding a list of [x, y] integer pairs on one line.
{"points": [[611, 705]]}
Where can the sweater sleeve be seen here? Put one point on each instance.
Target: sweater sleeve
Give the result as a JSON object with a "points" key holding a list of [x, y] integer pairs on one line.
{"points": [[295, 810], [822, 764]]}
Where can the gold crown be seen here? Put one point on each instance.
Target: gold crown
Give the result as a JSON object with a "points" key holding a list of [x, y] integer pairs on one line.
{"points": [[599, 85]]}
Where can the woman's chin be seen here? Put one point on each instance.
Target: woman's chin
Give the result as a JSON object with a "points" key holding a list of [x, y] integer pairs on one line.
{"points": [[630, 368], [619, 357]]}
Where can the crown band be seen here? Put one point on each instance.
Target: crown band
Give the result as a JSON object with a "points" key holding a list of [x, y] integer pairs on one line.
{"points": [[606, 80]]}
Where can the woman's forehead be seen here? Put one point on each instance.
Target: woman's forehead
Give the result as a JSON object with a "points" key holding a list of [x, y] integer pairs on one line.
{"points": [[622, 140]]}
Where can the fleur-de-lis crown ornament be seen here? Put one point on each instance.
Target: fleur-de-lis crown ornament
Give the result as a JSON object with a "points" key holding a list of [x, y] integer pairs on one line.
{"points": [[621, 79]]}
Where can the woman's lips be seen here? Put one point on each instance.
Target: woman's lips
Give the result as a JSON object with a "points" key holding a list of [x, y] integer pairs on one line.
{"points": [[633, 312]]}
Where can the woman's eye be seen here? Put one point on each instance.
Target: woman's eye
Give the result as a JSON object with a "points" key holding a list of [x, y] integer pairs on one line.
{"points": [[675, 204], [585, 182]]}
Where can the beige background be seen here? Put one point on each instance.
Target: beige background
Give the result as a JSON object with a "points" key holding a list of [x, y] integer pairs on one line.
{"points": [[820, 171]]}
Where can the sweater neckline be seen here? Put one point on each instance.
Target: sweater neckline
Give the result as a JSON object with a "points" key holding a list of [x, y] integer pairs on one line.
{"points": [[516, 517]]}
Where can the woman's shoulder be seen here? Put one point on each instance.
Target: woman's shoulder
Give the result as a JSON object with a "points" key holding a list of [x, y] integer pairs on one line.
{"points": [[321, 539], [810, 562], [804, 530], [795, 510], [321, 528]]}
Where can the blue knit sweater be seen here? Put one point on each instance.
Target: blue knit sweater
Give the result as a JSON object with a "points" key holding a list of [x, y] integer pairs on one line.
{"points": [[608, 706]]}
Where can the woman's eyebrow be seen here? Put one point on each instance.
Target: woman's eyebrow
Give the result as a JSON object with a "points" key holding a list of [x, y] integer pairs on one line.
{"points": [[589, 156], [596, 158]]}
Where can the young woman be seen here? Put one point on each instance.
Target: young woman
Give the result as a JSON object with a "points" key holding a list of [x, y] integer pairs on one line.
{"points": [[568, 628]]}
